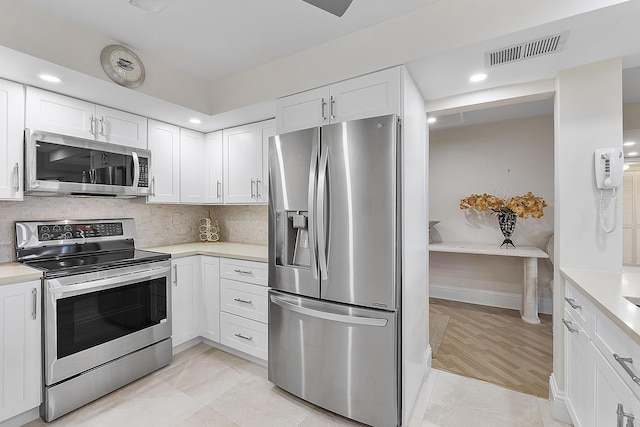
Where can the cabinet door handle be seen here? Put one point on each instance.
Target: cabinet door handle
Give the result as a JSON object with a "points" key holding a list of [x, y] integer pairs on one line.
{"points": [[218, 188], [622, 415], [625, 362], [570, 327], [153, 186], [324, 105], [175, 274], [248, 272], [244, 301], [253, 194], [34, 312], [91, 129], [16, 176], [332, 113], [572, 303], [258, 185], [102, 132], [239, 335]]}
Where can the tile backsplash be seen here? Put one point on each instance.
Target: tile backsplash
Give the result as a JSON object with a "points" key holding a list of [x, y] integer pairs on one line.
{"points": [[156, 225]]}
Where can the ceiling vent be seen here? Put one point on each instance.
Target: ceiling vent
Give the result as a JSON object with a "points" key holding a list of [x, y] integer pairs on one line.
{"points": [[525, 50]]}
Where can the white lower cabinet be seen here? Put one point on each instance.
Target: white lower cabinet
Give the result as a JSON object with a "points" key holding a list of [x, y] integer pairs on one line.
{"points": [[20, 340], [211, 298], [599, 366], [243, 306], [186, 299]]}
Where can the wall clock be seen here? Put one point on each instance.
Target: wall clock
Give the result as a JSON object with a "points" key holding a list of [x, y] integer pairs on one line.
{"points": [[122, 66]]}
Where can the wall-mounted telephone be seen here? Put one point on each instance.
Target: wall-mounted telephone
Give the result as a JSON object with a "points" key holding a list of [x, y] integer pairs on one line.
{"points": [[609, 165]]}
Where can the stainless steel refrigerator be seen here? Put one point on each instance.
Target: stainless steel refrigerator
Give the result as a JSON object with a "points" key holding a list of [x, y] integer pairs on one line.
{"points": [[335, 267]]}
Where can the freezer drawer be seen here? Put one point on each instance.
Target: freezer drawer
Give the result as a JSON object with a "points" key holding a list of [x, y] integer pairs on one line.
{"points": [[342, 358]]}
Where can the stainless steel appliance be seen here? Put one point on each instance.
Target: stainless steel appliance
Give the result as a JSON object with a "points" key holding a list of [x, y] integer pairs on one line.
{"points": [[335, 267], [106, 305], [57, 164]]}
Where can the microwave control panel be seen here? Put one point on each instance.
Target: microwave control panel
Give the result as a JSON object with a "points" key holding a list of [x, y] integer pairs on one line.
{"points": [[143, 180], [79, 231]]}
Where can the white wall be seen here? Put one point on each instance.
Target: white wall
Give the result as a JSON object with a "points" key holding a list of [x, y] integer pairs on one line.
{"points": [[588, 115], [510, 157]]}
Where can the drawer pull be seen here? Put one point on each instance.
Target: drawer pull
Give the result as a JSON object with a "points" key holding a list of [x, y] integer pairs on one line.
{"points": [[243, 300], [247, 272], [570, 327], [622, 415], [239, 335], [624, 361], [572, 303]]}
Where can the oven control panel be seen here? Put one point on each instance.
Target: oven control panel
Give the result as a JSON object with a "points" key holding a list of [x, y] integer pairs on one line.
{"points": [[79, 231]]}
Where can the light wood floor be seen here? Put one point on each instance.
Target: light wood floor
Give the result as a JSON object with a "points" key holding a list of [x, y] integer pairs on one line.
{"points": [[495, 345]]}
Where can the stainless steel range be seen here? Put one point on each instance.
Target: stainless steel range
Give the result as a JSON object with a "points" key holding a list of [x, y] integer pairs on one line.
{"points": [[106, 305]]}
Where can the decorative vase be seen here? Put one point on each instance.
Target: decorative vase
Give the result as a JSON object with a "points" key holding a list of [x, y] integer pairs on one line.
{"points": [[507, 222]]}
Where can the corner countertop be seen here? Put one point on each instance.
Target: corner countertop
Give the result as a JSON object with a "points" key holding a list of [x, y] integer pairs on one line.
{"points": [[14, 272], [246, 251], [606, 290]]}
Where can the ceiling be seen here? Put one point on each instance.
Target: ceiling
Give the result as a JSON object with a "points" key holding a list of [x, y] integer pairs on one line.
{"points": [[215, 39]]}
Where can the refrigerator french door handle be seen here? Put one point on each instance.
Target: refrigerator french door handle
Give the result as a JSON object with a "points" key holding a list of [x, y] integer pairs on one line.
{"points": [[353, 320], [321, 220], [313, 177]]}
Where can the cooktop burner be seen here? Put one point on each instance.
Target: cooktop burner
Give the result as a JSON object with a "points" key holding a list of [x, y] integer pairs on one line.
{"points": [[86, 263]]}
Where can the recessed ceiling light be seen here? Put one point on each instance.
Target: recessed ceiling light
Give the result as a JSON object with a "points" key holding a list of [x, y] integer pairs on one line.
{"points": [[195, 121], [49, 78], [629, 143], [478, 77], [432, 120], [633, 153]]}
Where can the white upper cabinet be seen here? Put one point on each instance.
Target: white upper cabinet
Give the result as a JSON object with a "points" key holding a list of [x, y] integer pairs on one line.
{"points": [[51, 112], [164, 143], [213, 159], [193, 167], [371, 95], [120, 127], [266, 130], [11, 140], [244, 163]]}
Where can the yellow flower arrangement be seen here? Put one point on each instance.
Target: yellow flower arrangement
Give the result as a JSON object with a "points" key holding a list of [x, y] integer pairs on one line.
{"points": [[523, 206]]}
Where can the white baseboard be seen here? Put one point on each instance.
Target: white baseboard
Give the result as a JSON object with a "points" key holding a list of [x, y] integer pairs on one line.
{"points": [[22, 419], [557, 400], [482, 297]]}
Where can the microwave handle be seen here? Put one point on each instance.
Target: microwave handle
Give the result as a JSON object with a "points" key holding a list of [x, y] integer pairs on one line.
{"points": [[136, 169]]}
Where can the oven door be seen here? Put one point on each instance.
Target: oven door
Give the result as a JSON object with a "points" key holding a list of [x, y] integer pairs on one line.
{"points": [[93, 318]]}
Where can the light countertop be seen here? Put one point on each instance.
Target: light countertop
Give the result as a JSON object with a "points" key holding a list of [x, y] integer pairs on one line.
{"points": [[606, 290], [246, 251], [14, 272]]}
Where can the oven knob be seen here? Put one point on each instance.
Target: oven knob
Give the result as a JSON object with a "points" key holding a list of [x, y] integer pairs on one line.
{"points": [[45, 229], [67, 235], [45, 236], [56, 228], [67, 228]]}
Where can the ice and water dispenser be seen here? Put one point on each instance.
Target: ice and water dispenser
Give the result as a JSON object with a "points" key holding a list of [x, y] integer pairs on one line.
{"points": [[296, 240]]}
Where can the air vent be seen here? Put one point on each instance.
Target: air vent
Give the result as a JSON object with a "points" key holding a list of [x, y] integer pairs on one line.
{"points": [[529, 49]]}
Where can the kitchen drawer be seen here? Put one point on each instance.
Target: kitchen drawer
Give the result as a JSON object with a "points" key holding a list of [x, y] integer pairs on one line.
{"points": [[244, 299], [580, 308], [610, 340], [246, 271], [247, 336]]}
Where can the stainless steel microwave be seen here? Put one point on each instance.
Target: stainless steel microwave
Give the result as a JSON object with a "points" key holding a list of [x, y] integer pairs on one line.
{"points": [[64, 165]]}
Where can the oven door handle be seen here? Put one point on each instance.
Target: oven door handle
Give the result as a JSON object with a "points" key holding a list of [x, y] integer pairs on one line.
{"points": [[108, 283]]}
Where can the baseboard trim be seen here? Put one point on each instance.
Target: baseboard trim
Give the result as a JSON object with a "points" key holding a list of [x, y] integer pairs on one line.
{"points": [[22, 419], [489, 298], [558, 404]]}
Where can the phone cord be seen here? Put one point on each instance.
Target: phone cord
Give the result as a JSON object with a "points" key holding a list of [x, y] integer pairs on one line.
{"points": [[615, 211]]}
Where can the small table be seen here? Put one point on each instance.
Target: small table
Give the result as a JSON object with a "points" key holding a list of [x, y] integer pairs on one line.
{"points": [[530, 254]]}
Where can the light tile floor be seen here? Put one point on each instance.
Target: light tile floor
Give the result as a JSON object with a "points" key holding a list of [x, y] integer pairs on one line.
{"points": [[208, 387]]}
